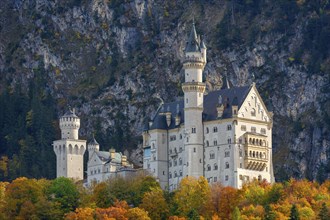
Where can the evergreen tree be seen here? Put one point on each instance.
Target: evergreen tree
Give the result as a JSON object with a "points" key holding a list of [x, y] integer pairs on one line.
{"points": [[294, 214], [236, 214], [269, 215], [324, 212]]}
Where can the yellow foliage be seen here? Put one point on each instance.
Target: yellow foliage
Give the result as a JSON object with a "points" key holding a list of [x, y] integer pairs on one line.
{"points": [[155, 204], [137, 214]]}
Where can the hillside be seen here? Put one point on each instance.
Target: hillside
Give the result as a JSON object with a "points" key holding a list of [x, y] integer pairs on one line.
{"points": [[112, 59]]}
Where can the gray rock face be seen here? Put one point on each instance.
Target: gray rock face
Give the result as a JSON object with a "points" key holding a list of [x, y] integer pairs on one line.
{"points": [[110, 58]]}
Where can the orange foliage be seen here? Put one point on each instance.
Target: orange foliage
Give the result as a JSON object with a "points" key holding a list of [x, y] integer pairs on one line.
{"points": [[224, 200]]}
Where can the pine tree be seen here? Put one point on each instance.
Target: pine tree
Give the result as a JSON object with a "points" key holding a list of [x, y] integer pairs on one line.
{"points": [[236, 214], [294, 214], [324, 212]]}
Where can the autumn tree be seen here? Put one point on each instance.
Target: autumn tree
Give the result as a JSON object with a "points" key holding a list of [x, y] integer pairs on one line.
{"points": [[81, 214], [193, 194], [224, 200], [155, 204], [137, 214]]}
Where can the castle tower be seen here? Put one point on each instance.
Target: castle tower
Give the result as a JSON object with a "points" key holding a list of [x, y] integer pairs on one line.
{"points": [[92, 147], [193, 88], [69, 149]]}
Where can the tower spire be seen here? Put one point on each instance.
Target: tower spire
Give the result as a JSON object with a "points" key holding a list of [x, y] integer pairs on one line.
{"points": [[193, 44]]}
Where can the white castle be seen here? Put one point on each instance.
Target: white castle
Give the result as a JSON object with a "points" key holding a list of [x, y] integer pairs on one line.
{"points": [[70, 150], [225, 135]]}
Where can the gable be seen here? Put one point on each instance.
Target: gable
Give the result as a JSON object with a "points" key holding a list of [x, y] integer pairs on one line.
{"points": [[94, 160], [253, 107]]}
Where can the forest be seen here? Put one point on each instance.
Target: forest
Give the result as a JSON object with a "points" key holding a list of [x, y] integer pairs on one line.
{"points": [[140, 197]]}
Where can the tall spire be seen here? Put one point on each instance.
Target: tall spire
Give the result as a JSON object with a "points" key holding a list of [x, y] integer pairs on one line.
{"points": [[193, 44]]}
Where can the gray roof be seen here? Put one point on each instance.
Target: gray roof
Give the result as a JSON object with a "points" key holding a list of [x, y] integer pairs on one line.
{"points": [[70, 113], [193, 44], [105, 156], [226, 97], [93, 141]]}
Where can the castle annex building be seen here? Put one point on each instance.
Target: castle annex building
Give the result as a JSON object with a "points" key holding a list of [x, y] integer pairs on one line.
{"points": [[225, 135], [70, 150]]}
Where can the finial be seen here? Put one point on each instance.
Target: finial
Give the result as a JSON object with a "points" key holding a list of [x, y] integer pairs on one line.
{"points": [[253, 77]]}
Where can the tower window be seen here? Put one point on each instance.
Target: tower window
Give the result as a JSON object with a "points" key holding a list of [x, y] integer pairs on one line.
{"points": [[207, 130], [215, 166], [253, 112], [208, 167], [228, 127], [212, 155], [207, 143], [227, 154], [194, 150], [215, 129], [193, 130], [215, 142], [227, 165]]}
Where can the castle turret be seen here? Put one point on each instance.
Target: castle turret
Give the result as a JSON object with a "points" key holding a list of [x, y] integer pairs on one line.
{"points": [[193, 88], [92, 147], [69, 149]]}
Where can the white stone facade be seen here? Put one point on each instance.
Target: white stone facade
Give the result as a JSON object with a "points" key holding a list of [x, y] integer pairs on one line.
{"points": [[69, 149], [225, 135]]}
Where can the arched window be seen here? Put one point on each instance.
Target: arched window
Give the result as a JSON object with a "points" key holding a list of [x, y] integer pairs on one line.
{"points": [[170, 175], [180, 161], [227, 165], [215, 166], [227, 153], [180, 172], [175, 162], [228, 127], [193, 130], [207, 143], [208, 167], [240, 153], [215, 142], [215, 129], [175, 174], [207, 130]]}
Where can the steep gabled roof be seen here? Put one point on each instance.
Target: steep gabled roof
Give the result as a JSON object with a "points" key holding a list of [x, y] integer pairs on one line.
{"points": [[226, 97], [193, 44]]}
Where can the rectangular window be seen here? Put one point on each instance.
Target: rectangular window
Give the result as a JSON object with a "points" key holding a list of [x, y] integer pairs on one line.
{"points": [[253, 129], [243, 128], [215, 179], [263, 131], [193, 130], [228, 127], [226, 177], [215, 129], [172, 137]]}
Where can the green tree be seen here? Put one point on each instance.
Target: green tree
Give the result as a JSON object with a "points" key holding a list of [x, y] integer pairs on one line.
{"points": [[324, 212], [236, 214], [294, 214], [63, 191]]}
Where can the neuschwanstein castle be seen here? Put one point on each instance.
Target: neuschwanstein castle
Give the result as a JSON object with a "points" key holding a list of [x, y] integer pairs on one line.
{"points": [[225, 135]]}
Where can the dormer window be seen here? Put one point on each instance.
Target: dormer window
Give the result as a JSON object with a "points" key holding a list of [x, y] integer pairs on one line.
{"points": [[253, 112]]}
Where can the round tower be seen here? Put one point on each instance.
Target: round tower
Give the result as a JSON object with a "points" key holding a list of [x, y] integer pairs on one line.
{"points": [[69, 125], [194, 88]]}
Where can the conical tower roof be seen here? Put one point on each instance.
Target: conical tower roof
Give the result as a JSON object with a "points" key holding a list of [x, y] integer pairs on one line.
{"points": [[193, 44]]}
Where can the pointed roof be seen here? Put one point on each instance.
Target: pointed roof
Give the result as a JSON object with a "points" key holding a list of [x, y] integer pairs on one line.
{"points": [[93, 141], [202, 43], [70, 113], [193, 44]]}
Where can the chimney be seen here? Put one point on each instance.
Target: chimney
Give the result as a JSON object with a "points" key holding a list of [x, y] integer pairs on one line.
{"points": [[168, 118], [123, 160], [112, 153], [220, 110]]}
